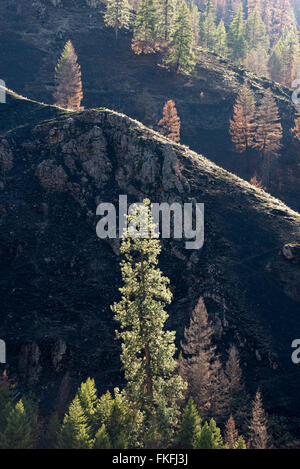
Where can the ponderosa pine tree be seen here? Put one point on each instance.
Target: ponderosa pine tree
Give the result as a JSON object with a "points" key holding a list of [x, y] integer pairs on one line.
{"points": [[258, 433], [153, 386], [189, 428], [117, 15], [20, 426], [221, 46], [169, 125], [236, 38], [68, 91], [181, 57], [200, 366], [242, 125], [145, 30]]}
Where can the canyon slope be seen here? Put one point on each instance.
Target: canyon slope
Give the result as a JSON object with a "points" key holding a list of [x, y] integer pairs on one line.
{"points": [[33, 33], [58, 279]]}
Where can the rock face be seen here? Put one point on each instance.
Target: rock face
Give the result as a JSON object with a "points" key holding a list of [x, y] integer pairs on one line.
{"points": [[33, 33], [58, 280]]}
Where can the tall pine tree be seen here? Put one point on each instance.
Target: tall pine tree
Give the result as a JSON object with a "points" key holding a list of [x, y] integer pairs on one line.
{"points": [[153, 385], [181, 55], [236, 38]]}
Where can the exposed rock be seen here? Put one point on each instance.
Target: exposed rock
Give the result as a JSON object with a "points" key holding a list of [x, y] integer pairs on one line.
{"points": [[291, 252], [51, 176]]}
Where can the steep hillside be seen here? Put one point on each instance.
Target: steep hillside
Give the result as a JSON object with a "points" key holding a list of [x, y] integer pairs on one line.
{"points": [[33, 33], [57, 279]]}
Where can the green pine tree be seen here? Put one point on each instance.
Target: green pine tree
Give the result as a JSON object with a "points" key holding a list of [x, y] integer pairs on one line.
{"points": [[221, 46], [102, 439], [19, 431], [195, 19], [89, 402], [181, 56], [255, 32], [166, 12], [190, 426], [208, 29], [75, 432], [236, 38], [117, 15], [210, 437], [240, 444], [147, 349], [145, 30]]}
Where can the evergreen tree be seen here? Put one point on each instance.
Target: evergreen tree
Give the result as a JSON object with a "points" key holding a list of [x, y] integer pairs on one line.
{"points": [[255, 32], [75, 432], [181, 55], [200, 365], [166, 11], [195, 20], [102, 439], [19, 431], [236, 38], [169, 125], [221, 46], [285, 58], [258, 436], [208, 28], [120, 420], [242, 125], [147, 349], [190, 426], [68, 92], [89, 402], [240, 444], [117, 15], [210, 437], [145, 30]]}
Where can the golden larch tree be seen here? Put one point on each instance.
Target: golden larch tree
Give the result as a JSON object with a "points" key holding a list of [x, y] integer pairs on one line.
{"points": [[169, 125], [68, 91], [242, 124], [268, 133]]}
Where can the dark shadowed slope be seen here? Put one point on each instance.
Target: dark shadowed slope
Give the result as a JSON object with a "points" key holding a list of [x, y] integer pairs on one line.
{"points": [[57, 279]]}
